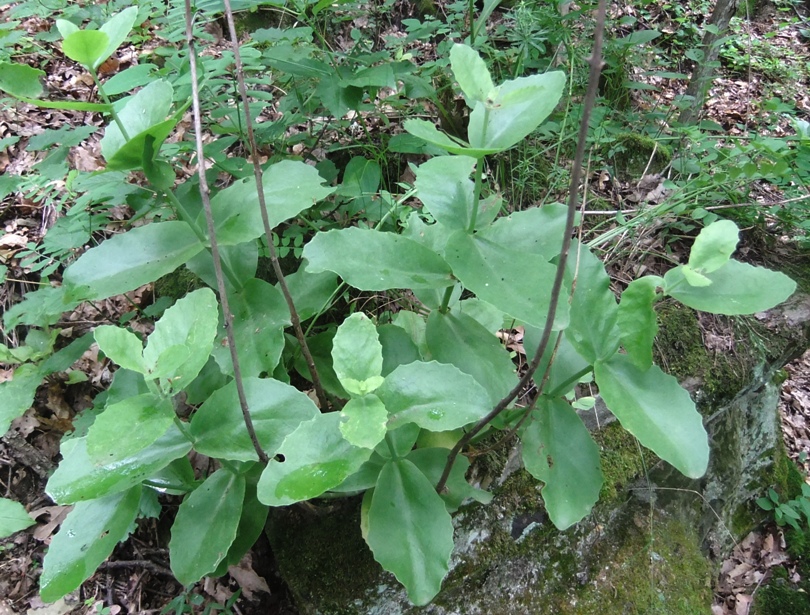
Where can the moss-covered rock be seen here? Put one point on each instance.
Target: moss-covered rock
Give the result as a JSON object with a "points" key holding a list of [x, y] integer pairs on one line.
{"points": [[634, 154]]}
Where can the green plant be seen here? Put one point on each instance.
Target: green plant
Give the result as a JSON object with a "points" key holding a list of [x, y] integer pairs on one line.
{"points": [[382, 389], [789, 512]]}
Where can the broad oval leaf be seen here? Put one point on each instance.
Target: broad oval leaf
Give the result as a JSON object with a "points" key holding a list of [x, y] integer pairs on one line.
{"points": [[714, 246], [357, 355], [129, 260], [428, 132], [290, 187], [17, 394], [365, 421], [435, 396], [637, 320], [443, 185], [559, 450], [127, 427], [277, 409], [460, 340], [117, 28], [121, 346], [410, 531], [13, 517], [516, 109], [77, 478], [517, 283], [471, 72], [87, 537], [736, 288], [85, 46], [21, 80], [251, 524], [372, 260], [653, 407], [191, 324], [538, 230], [205, 526], [316, 458]]}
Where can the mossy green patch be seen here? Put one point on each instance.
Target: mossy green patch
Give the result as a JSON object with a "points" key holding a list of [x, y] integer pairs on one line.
{"points": [[623, 459], [177, 284], [634, 154]]}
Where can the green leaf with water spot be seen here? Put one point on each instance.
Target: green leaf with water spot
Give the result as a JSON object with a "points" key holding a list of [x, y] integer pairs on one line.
{"points": [[127, 427], [558, 449], [316, 458], [129, 260], [364, 421], [357, 355], [206, 525], [736, 288], [277, 409], [435, 396], [410, 531], [85, 539], [13, 517], [374, 261], [77, 478], [653, 407]]}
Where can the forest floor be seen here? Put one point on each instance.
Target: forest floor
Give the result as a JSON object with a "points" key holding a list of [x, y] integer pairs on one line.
{"points": [[136, 579]]}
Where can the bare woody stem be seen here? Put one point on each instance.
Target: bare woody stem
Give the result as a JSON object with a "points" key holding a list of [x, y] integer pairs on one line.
{"points": [[595, 62], [257, 173], [206, 199]]}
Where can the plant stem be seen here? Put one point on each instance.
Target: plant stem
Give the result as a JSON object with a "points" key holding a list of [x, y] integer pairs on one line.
{"points": [[204, 193], [257, 173], [106, 99], [471, 11], [595, 62], [448, 293], [479, 174]]}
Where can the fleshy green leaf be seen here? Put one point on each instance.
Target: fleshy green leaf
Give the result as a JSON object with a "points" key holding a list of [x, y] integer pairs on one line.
{"points": [[129, 260], [428, 132], [714, 246], [371, 260], [251, 525], [205, 526], [17, 394], [260, 315], [143, 419], [311, 292], [443, 185], [409, 530], [13, 517], [637, 320], [77, 478], [357, 355], [397, 348], [459, 340], [653, 407], [558, 450], [514, 110], [85, 46], [316, 458], [191, 324], [143, 116], [538, 230], [290, 187], [87, 537], [66, 28], [365, 419], [517, 283], [567, 365], [21, 80], [592, 329], [435, 396], [277, 409], [736, 288], [117, 28], [471, 73], [122, 347]]}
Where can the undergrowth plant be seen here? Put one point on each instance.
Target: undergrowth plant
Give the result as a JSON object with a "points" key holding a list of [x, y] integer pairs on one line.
{"points": [[381, 388]]}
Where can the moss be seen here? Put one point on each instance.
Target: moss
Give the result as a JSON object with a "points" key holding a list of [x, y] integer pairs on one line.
{"points": [[323, 557], [622, 459], [632, 153], [786, 477], [780, 599], [177, 284], [681, 352]]}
